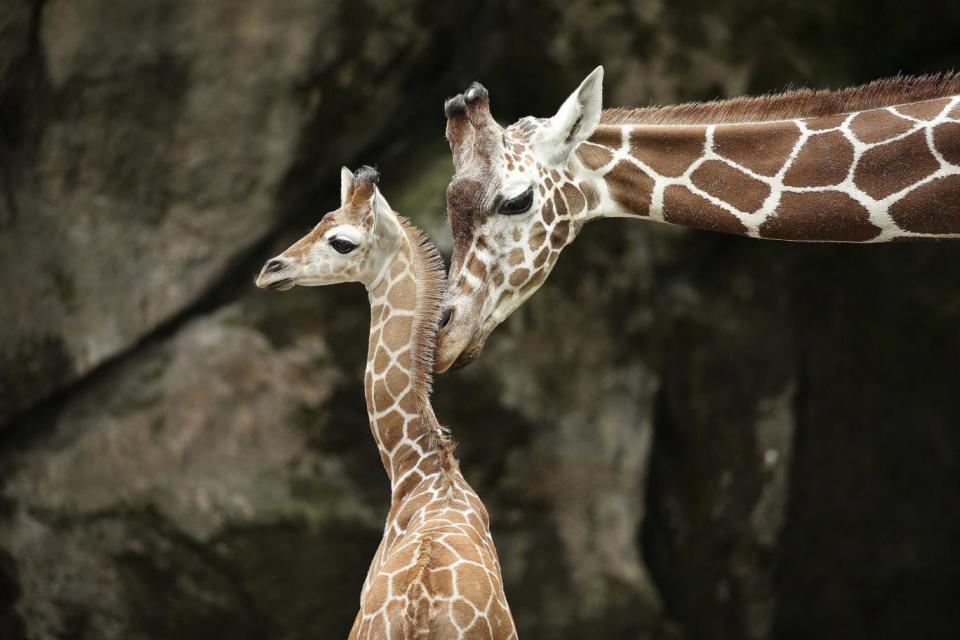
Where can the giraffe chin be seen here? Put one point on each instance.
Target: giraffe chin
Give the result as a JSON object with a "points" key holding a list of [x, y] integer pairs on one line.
{"points": [[282, 285], [470, 353]]}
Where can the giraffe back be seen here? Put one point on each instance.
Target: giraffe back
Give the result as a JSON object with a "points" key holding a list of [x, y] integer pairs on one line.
{"points": [[436, 574]]}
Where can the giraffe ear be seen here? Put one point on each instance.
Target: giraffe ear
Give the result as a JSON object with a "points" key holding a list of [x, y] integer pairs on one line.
{"points": [[386, 227], [346, 184], [577, 118]]}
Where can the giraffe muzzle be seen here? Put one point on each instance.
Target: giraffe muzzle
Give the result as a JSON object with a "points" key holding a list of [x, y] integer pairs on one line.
{"points": [[459, 341], [272, 275]]}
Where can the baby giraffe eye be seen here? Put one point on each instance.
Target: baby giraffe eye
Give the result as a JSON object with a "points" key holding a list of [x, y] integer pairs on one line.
{"points": [[519, 204], [342, 246]]}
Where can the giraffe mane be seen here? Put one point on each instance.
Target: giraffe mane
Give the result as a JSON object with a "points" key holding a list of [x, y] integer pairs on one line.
{"points": [[798, 103], [431, 286]]}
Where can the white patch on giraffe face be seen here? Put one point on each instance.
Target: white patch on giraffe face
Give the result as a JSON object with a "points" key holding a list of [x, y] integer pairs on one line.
{"points": [[347, 232], [515, 186]]}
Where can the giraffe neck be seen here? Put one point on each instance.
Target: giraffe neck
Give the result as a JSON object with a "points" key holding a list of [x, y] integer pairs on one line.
{"points": [[405, 303], [867, 176]]}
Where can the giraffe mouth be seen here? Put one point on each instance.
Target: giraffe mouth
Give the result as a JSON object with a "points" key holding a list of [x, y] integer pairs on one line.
{"points": [[281, 285], [468, 355]]}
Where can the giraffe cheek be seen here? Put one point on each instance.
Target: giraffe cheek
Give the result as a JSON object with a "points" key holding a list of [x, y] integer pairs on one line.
{"points": [[533, 283], [541, 258], [537, 235], [560, 234]]}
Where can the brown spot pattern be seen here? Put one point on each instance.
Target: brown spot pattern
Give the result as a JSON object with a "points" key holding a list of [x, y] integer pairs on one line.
{"points": [[593, 156], [823, 160], [590, 193], [535, 281], [930, 208], [397, 380], [380, 362], [630, 187], [730, 185], [558, 237], [682, 206], [390, 428], [519, 276], [396, 332], [575, 199], [878, 125], [760, 147], [476, 266], [402, 294], [819, 215], [946, 140], [408, 402], [927, 110], [668, 150], [548, 214], [537, 235], [558, 203], [888, 168], [541, 258], [607, 136]]}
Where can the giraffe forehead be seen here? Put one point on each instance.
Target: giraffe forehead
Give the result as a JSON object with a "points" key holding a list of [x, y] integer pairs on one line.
{"points": [[338, 218]]}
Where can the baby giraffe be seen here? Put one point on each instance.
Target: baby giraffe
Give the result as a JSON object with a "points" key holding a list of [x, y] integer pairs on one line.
{"points": [[436, 573]]}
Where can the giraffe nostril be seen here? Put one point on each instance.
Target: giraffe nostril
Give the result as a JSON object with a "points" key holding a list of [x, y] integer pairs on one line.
{"points": [[273, 265], [445, 318]]}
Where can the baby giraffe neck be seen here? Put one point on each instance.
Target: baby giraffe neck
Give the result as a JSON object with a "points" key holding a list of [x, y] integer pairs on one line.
{"points": [[404, 311]]}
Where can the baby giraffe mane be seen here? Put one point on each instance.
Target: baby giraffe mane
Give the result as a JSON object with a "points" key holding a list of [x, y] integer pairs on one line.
{"points": [[799, 103], [431, 285]]}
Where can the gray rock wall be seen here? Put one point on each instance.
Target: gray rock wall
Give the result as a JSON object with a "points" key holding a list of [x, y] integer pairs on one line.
{"points": [[683, 435]]}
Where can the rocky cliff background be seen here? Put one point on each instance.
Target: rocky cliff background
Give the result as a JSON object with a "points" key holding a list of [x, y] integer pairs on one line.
{"points": [[683, 435]]}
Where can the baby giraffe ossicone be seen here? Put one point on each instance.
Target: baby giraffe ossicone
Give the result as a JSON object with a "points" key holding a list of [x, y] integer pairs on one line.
{"points": [[436, 572]]}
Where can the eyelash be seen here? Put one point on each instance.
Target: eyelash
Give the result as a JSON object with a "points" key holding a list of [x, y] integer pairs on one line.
{"points": [[525, 199], [343, 243]]}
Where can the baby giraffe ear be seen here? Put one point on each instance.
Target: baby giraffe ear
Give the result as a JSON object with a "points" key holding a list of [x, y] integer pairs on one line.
{"points": [[386, 227], [577, 118], [346, 185]]}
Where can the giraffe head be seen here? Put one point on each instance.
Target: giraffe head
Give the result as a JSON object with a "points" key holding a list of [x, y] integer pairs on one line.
{"points": [[513, 204], [351, 244]]}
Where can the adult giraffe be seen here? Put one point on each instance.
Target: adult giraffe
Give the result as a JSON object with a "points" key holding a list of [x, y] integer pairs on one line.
{"points": [[871, 163], [436, 573]]}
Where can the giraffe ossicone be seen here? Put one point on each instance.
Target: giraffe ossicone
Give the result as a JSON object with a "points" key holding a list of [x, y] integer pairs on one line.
{"points": [[436, 573], [872, 163]]}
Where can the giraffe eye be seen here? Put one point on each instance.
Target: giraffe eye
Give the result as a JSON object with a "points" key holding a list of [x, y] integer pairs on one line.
{"points": [[342, 246], [518, 204]]}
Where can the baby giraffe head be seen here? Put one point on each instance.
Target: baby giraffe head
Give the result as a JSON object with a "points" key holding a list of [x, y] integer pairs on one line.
{"points": [[351, 244], [518, 196]]}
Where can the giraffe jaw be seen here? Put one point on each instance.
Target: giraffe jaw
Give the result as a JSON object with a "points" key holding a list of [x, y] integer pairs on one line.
{"points": [[282, 285], [471, 353], [277, 281], [458, 349]]}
